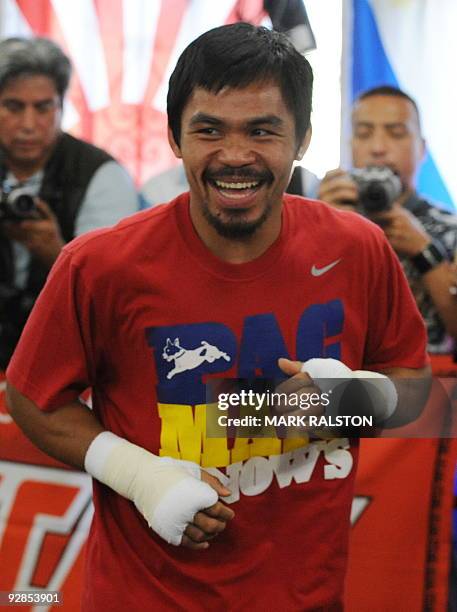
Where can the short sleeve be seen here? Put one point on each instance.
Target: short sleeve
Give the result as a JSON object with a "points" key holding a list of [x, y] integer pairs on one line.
{"points": [[110, 196], [397, 335], [54, 361]]}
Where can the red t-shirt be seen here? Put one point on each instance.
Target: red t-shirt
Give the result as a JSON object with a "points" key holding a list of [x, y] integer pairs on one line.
{"points": [[142, 313]]}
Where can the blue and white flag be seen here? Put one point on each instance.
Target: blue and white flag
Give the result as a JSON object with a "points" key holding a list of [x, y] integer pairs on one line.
{"points": [[412, 44]]}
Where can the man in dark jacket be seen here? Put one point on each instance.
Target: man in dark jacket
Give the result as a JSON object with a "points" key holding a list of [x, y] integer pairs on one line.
{"points": [[75, 186]]}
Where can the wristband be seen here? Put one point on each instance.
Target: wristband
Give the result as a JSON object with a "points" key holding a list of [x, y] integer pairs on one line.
{"points": [[430, 257]]}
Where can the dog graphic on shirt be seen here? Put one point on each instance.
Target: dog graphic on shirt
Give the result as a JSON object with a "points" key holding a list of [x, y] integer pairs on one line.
{"points": [[189, 359]]}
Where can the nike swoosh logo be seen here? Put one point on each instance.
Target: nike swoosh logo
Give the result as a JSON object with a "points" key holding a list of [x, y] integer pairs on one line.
{"points": [[320, 271]]}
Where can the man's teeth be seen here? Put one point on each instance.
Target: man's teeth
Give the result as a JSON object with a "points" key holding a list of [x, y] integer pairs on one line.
{"points": [[223, 185]]}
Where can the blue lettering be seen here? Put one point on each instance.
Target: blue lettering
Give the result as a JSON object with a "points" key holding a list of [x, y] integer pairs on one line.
{"points": [[317, 323]]}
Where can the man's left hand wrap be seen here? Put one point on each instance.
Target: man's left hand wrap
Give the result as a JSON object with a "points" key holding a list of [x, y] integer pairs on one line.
{"points": [[167, 492], [379, 387]]}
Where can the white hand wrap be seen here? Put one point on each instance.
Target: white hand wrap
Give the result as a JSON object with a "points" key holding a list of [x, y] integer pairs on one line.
{"points": [[167, 492], [332, 368]]}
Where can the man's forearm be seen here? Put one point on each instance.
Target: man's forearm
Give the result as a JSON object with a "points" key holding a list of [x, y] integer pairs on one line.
{"points": [[436, 283], [413, 388], [65, 433], [176, 501]]}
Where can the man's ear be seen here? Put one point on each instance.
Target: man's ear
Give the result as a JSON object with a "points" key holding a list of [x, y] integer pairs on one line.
{"points": [[304, 144], [174, 147]]}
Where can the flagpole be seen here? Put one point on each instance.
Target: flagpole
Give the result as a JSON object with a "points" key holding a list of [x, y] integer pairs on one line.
{"points": [[346, 83]]}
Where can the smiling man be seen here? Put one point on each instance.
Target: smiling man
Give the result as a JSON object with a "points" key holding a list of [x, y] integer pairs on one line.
{"points": [[232, 279], [236, 188]]}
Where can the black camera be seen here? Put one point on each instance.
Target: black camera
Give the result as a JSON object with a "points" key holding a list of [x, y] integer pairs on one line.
{"points": [[379, 187], [17, 204]]}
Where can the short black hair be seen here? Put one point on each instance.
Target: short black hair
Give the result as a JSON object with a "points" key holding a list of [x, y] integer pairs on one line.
{"points": [[237, 55], [389, 90], [21, 57]]}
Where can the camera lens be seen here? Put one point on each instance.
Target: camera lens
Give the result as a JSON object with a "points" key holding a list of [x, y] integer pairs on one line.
{"points": [[374, 197], [24, 204], [378, 187], [20, 204]]}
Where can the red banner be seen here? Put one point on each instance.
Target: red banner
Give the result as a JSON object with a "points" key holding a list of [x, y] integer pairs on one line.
{"points": [[401, 536]]}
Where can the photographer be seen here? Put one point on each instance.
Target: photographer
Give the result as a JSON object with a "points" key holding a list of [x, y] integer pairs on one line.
{"points": [[386, 134], [68, 186]]}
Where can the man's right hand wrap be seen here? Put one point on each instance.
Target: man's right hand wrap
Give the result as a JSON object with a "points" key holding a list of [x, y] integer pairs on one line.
{"points": [[167, 492]]}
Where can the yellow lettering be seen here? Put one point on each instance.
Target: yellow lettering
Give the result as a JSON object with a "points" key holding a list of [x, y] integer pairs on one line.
{"points": [[183, 436]]}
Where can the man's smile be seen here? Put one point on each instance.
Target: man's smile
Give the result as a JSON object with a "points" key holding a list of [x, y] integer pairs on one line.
{"points": [[235, 193], [235, 190]]}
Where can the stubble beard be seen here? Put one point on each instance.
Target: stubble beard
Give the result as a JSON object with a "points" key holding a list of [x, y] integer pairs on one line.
{"points": [[236, 228]]}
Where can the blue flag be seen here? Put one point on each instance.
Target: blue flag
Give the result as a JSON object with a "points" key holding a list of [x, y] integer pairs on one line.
{"points": [[412, 45]]}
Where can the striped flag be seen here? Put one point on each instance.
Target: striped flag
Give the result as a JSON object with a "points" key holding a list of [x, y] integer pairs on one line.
{"points": [[123, 52]]}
